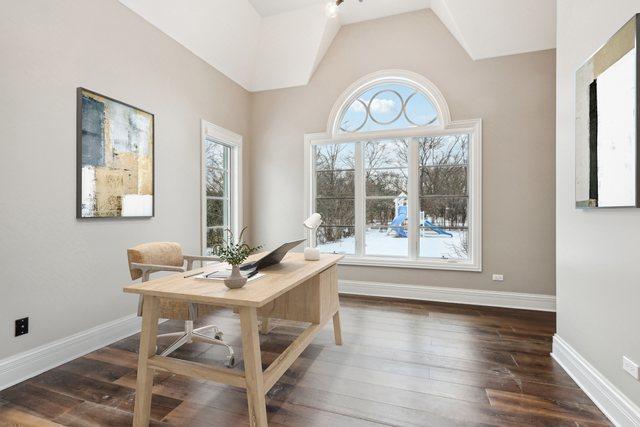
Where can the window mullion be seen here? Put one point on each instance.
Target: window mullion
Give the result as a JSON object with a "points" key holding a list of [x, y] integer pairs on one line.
{"points": [[359, 194], [413, 199]]}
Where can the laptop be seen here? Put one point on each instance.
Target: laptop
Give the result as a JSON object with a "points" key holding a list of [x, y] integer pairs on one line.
{"points": [[273, 257]]}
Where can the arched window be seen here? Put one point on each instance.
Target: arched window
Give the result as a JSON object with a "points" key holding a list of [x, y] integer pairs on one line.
{"points": [[396, 181], [387, 106]]}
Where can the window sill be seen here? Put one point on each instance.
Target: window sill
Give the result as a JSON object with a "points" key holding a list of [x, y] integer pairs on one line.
{"points": [[402, 263]]}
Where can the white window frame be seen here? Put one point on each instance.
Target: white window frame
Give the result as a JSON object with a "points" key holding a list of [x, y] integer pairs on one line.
{"points": [[218, 134], [445, 126]]}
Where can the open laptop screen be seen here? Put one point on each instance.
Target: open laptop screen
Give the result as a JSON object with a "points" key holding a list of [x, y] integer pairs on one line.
{"points": [[273, 257]]}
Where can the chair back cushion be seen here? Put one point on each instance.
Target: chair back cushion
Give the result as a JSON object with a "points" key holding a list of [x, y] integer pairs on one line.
{"points": [[158, 253]]}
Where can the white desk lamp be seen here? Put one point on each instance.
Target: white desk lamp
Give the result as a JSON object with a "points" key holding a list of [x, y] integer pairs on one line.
{"points": [[312, 223]]}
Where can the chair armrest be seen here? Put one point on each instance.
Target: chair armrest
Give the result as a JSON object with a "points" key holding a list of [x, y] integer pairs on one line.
{"points": [[191, 258], [200, 258], [152, 268]]}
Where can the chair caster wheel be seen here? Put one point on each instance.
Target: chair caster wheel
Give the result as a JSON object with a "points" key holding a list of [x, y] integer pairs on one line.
{"points": [[231, 362], [218, 336]]}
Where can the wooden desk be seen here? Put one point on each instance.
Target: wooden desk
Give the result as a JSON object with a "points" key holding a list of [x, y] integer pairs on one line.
{"points": [[295, 289]]}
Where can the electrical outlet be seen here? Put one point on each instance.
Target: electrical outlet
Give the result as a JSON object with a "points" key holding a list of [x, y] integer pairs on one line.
{"points": [[22, 326], [498, 278], [631, 367]]}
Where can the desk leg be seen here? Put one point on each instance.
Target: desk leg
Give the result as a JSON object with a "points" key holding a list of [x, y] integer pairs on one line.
{"points": [[264, 326], [253, 367], [144, 385], [337, 328]]}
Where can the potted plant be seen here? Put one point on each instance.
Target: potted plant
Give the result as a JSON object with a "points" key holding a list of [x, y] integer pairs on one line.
{"points": [[234, 253]]}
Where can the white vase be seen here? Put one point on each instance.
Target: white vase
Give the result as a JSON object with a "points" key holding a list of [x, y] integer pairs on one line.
{"points": [[311, 254], [236, 280]]}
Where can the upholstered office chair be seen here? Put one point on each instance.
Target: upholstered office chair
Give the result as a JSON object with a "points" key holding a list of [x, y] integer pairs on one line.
{"points": [[149, 258]]}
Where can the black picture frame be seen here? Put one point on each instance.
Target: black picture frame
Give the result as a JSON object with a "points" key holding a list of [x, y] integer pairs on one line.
{"points": [[79, 151]]}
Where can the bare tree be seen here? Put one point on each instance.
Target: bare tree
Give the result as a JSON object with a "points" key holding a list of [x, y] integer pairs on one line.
{"points": [[442, 183], [335, 170]]}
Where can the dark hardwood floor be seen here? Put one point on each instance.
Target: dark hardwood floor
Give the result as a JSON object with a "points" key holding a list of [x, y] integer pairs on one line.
{"points": [[402, 363]]}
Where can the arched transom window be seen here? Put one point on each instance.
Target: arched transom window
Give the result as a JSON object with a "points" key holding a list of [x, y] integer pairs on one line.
{"points": [[388, 106], [396, 181]]}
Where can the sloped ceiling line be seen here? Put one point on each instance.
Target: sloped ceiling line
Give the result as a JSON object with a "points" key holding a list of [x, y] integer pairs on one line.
{"points": [[283, 44]]}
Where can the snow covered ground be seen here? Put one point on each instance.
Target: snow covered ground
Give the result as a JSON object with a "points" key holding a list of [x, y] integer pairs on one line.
{"points": [[379, 243]]}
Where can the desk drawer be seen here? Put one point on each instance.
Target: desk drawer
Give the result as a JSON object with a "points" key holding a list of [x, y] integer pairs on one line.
{"points": [[312, 301]]}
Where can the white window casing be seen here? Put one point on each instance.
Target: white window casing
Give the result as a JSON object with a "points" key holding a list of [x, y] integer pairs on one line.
{"points": [[233, 141], [443, 126]]}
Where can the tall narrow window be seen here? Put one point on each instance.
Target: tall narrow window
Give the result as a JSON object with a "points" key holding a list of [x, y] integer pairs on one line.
{"points": [[218, 197], [444, 200], [221, 163], [335, 197], [386, 165], [396, 181]]}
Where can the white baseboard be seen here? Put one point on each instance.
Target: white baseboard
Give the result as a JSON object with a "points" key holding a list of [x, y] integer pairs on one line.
{"points": [[30, 363], [616, 406], [452, 295]]}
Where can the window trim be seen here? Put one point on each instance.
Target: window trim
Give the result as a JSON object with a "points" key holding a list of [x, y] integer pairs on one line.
{"points": [[389, 76], [234, 142], [473, 127]]}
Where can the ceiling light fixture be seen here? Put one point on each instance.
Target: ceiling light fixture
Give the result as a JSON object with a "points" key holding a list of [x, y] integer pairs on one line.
{"points": [[332, 7]]}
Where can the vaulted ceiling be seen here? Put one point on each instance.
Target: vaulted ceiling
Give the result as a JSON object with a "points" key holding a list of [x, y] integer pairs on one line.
{"points": [[272, 44], [271, 7]]}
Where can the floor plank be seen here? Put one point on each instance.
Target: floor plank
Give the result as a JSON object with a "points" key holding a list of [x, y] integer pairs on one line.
{"points": [[37, 400], [90, 414], [100, 392], [13, 415], [402, 363]]}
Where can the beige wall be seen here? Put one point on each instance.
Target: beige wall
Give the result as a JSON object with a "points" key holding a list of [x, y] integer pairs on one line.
{"points": [[65, 274], [515, 97], [597, 262]]}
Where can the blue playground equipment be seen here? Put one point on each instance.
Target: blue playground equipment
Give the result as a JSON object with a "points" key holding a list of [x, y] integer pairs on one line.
{"points": [[401, 216], [396, 224], [437, 229]]}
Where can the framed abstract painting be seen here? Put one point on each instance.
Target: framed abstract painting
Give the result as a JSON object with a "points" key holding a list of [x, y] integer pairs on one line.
{"points": [[607, 125], [115, 147]]}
